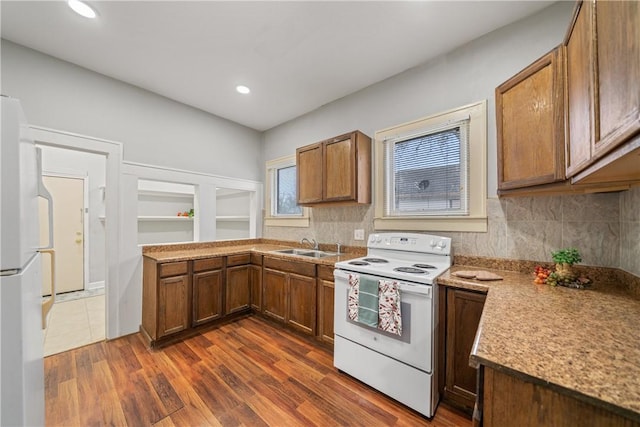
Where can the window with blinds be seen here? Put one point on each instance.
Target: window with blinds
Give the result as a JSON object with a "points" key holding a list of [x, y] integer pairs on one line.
{"points": [[284, 200], [427, 174]]}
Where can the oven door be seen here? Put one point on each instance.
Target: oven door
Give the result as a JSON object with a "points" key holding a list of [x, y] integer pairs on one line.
{"points": [[414, 347]]}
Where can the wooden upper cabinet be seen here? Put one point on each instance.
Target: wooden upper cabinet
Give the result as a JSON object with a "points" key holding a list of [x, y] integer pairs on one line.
{"points": [[340, 169], [581, 121], [603, 92], [337, 170], [309, 174], [530, 124], [618, 71]]}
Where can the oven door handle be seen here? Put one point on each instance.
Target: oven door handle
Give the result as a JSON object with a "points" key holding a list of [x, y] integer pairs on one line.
{"points": [[422, 290]]}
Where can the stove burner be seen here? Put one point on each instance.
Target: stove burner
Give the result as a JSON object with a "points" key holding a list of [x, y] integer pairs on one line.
{"points": [[409, 270], [358, 263], [427, 266], [376, 260]]}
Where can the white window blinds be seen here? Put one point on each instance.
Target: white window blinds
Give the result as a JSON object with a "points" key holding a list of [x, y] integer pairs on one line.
{"points": [[427, 173]]}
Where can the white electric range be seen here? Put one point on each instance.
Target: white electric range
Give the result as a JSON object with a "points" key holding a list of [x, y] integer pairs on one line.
{"points": [[403, 367]]}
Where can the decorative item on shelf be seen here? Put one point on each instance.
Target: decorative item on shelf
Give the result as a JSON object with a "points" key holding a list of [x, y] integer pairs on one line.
{"points": [[564, 274], [191, 213], [186, 214]]}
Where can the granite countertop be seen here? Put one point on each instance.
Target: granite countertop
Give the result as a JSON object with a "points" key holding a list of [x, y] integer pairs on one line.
{"points": [[171, 253], [583, 342]]}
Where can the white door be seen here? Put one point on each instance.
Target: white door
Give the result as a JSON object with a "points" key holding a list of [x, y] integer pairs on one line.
{"points": [[68, 232]]}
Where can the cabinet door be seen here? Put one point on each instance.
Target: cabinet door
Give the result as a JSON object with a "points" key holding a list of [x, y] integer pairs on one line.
{"points": [[618, 70], [464, 309], [309, 173], [530, 124], [274, 286], [301, 313], [173, 305], [325, 310], [238, 290], [255, 279], [207, 296], [340, 169], [580, 113]]}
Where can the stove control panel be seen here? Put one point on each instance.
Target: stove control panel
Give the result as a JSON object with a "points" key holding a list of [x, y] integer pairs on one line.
{"points": [[414, 242]]}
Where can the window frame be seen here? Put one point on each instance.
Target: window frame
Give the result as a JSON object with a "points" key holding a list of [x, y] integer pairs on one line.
{"points": [[271, 220], [476, 219]]}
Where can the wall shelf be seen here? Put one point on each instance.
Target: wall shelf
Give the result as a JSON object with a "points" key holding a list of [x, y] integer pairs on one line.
{"points": [[232, 218], [164, 218]]}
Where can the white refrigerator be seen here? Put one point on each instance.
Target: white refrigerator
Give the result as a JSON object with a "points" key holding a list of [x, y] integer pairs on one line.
{"points": [[21, 337]]}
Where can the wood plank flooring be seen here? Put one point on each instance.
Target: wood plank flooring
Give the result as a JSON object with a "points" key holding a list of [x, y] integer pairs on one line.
{"points": [[245, 373]]}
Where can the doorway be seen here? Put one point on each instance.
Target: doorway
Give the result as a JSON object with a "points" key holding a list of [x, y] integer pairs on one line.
{"points": [[76, 182], [68, 194]]}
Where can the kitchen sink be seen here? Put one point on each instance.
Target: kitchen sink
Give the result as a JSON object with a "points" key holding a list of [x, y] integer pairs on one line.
{"points": [[311, 253]]}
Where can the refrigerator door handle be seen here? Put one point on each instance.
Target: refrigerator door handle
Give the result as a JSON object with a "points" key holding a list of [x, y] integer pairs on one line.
{"points": [[48, 303], [43, 192]]}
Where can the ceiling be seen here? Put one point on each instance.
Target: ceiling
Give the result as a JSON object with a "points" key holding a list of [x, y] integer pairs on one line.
{"points": [[294, 55]]}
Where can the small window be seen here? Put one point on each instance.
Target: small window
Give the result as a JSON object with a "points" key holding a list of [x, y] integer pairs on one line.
{"points": [[426, 174], [281, 206], [431, 173], [285, 200]]}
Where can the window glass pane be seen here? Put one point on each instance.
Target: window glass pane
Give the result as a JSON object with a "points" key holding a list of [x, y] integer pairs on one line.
{"points": [[286, 192], [428, 174]]}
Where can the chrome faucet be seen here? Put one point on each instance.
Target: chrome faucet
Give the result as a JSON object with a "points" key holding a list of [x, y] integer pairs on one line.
{"points": [[338, 245], [311, 242]]}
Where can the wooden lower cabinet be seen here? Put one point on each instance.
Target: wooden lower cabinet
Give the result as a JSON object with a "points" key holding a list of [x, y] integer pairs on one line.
{"points": [[238, 290], [512, 401], [289, 293], [301, 303], [207, 283], [326, 288], [165, 298], [274, 286], [207, 296], [463, 311], [173, 305], [255, 282]]}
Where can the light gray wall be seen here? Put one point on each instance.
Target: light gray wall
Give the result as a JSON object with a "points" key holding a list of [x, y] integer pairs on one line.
{"points": [[518, 228], [468, 74], [153, 129]]}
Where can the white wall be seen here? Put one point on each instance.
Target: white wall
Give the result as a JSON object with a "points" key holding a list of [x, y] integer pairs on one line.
{"points": [[91, 166], [153, 129]]}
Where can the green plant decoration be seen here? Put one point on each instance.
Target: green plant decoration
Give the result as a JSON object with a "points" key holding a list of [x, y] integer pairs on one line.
{"points": [[568, 256]]}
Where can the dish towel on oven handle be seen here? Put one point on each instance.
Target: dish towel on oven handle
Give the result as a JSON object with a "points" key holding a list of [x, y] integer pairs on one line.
{"points": [[363, 299], [389, 307], [352, 299]]}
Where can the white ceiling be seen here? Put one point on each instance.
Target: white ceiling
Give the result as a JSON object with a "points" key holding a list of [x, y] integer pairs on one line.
{"points": [[294, 55]]}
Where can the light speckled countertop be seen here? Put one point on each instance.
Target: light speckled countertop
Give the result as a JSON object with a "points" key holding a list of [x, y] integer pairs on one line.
{"points": [[583, 342], [170, 253]]}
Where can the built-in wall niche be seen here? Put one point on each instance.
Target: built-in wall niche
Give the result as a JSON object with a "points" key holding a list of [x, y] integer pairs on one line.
{"points": [[233, 210], [165, 212]]}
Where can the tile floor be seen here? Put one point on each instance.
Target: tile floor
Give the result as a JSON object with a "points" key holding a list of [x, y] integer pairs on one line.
{"points": [[74, 321]]}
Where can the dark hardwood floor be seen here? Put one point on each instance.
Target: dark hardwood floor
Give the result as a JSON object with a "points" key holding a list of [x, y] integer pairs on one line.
{"points": [[245, 373]]}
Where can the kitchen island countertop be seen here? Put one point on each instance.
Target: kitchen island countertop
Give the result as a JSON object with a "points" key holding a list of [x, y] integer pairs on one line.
{"points": [[585, 343]]}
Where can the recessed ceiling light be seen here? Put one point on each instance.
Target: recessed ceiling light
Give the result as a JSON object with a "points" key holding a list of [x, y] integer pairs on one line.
{"points": [[243, 89], [82, 8]]}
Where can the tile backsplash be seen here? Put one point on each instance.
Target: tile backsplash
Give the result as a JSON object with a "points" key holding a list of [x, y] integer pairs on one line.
{"points": [[605, 228]]}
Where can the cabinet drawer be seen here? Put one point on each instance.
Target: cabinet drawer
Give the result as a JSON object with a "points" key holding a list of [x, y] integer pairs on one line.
{"points": [[302, 268], [325, 272], [207, 264], [238, 259], [256, 259], [173, 268]]}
